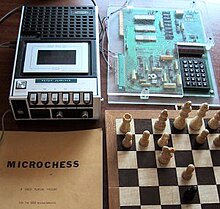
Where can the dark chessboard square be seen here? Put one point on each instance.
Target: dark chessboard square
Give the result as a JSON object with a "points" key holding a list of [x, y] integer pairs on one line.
{"points": [[183, 158], [176, 131], [140, 125], [146, 159], [195, 200], [195, 145], [157, 136], [149, 195], [130, 207], [120, 138], [211, 131], [211, 206], [167, 176], [215, 154], [171, 207], [218, 187], [128, 177], [205, 176]]}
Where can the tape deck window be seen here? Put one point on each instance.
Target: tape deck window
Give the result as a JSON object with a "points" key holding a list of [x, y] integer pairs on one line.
{"points": [[56, 58]]}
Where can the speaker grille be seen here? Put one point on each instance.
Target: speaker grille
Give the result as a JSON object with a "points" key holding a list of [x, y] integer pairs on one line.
{"points": [[59, 22]]}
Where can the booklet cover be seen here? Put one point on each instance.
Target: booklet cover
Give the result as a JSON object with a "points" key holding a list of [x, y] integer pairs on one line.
{"points": [[51, 170]]}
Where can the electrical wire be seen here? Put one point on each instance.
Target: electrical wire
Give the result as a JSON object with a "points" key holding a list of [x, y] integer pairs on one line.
{"points": [[103, 33], [8, 44], [3, 124], [94, 2], [16, 9]]}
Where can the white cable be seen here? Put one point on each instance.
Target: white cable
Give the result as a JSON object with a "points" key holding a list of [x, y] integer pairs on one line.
{"points": [[3, 125]]}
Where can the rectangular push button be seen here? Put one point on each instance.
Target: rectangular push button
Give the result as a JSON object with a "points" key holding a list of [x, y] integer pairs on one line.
{"points": [[65, 98], [76, 98], [44, 98], [33, 98], [87, 98], [55, 98]]}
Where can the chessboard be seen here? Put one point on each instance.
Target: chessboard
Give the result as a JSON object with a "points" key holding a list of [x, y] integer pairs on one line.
{"points": [[136, 179]]}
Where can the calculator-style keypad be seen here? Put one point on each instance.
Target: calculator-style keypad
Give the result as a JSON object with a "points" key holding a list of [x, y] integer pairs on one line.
{"points": [[194, 74]]}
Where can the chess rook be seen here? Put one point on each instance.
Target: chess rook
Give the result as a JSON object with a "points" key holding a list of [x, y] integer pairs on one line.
{"points": [[144, 140], [127, 141], [166, 154], [125, 126], [188, 172], [216, 141], [202, 137], [160, 123], [180, 121], [196, 122], [213, 123], [163, 140]]}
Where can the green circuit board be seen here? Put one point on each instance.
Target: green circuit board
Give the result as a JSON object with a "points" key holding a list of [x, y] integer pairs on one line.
{"points": [[153, 39]]}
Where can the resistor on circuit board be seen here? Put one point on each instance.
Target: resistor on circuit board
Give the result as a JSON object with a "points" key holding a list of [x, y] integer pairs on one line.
{"points": [[182, 27], [146, 68], [145, 84], [161, 25], [134, 75], [157, 69], [178, 80], [142, 81], [151, 60], [164, 77], [175, 65], [166, 57], [169, 85]]}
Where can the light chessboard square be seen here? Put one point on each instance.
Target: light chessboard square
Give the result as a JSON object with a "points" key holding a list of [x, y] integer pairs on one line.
{"points": [[169, 195], [129, 196]]}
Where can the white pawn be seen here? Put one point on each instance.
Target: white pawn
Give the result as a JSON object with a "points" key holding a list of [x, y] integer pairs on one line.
{"points": [[127, 141], [196, 122], [202, 137], [216, 141], [166, 154], [160, 123], [214, 122], [125, 126], [180, 121], [144, 140], [163, 140], [188, 172]]}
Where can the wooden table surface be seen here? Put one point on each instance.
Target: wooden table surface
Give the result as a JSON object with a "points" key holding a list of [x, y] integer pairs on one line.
{"points": [[8, 32]]}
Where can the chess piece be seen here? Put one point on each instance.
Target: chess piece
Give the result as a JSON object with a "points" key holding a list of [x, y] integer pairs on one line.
{"points": [[166, 154], [190, 193], [127, 141], [202, 137], [125, 126], [213, 123], [144, 140], [196, 122], [180, 121], [163, 140], [216, 141], [187, 173], [160, 123]]}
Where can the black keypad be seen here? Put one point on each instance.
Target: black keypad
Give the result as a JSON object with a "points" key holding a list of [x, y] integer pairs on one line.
{"points": [[194, 74]]}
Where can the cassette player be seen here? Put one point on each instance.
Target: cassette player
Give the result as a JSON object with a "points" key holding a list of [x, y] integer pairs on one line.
{"points": [[56, 72]]}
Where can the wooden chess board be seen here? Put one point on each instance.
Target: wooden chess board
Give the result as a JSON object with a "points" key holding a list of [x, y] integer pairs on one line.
{"points": [[136, 180]]}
